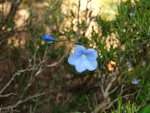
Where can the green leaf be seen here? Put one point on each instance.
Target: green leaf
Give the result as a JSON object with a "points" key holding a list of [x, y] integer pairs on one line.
{"points": [[145, 109]]}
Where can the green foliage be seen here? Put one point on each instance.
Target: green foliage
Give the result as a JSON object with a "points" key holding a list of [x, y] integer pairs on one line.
{"points": [[145, 109], [79, 102], [128, 108], [133, 40]]}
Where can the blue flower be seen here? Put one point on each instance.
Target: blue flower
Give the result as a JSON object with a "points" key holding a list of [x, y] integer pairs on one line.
{"points": [[129, 64], [135, 110], [83, 59], [124, 111], [48, 38], [119, 4], [134, 81], [132, 13]]}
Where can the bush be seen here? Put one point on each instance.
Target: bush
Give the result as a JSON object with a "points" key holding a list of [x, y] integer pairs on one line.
{"points": [[35, 73]]}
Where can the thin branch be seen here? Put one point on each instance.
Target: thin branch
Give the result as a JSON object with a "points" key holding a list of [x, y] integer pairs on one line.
{"points": [[78, 16], [89, 106], [23, 101], [109, 86], [12, 78], [7, 95]]}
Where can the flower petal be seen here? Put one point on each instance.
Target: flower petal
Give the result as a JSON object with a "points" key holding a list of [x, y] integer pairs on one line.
{"points": [[90, 64], [91, 54], [48, 38], [80, 65], [129, 64], [73, 59], [134, 81], [79, 50]]}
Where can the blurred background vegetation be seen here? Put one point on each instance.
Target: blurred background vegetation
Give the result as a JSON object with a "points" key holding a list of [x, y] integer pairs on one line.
{"points": [[35, 76]]}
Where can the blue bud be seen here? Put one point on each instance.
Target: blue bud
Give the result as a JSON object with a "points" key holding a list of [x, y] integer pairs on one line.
{"points": [[48, 38]]}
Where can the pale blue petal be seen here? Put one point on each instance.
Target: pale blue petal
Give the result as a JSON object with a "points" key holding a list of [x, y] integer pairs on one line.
{"points": [[134, 81], [91, 54], [132, 13], [72, 60], [91, 64], [129, 64], [80, 65], [119, 4], [79, 50]]}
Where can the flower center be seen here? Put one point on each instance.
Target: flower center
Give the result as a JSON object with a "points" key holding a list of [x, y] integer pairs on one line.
{"points": [[83, 55]]}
